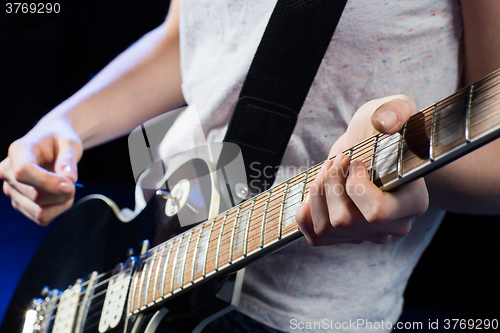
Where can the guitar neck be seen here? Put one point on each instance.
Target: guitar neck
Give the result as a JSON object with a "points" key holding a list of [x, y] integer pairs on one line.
{"points": [[431, 138]]}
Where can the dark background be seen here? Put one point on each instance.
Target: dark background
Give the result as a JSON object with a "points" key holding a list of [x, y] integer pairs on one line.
{"points": [[45, 59]]}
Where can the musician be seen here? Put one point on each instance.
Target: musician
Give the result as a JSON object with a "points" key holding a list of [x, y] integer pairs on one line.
{"points": [[363, 251]]}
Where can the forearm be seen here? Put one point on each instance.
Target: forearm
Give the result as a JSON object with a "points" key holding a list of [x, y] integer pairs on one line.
{"points": [[142, 82], [472, 183]]}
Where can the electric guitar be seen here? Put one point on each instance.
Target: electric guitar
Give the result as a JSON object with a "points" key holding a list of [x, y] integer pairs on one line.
{"points": [[182, 283]]}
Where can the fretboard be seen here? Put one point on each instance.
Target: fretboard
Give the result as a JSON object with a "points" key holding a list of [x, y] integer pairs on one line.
{"points": [[257, 227]]}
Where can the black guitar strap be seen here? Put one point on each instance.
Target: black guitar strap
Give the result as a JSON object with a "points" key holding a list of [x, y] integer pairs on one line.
{"points": [[277, 83]]}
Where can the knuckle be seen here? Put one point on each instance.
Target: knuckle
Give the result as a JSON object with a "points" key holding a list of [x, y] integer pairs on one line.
{"points": [[322, 227], [341, 219], [19, 172], [377, 214], [14, 146]]}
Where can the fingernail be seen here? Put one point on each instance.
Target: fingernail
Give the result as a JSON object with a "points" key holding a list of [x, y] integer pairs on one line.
{"points": [[67, 170], [387, 118], [306, 199], [66, 188]]}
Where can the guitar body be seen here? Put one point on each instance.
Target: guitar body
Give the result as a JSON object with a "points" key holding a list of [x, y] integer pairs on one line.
{"points": [[90, 238]]}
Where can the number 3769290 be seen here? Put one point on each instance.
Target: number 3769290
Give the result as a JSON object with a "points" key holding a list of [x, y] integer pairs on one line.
{"points": [[32, 8]]}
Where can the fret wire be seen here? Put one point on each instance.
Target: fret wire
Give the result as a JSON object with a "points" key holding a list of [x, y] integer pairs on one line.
{"points": [[196, 249], [304, 186], [350, 153], [219, 242], [264, 214], [167, 259], [172, 277], [467, 116], [183, 265], [157, 274], [432, 148], [400, 153], [149, 277], [372, 164], [206, 251], [280, 228], [232, 235], [142, 283], [247, 227]]}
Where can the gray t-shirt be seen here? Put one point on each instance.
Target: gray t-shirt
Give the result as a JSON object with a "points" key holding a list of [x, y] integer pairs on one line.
{"points": [[380, 48]]}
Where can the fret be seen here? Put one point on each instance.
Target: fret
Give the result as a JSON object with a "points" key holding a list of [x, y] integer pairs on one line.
{"points": [[350, 153], [467, 116], [305, 182], [374, 153], [206, 250], [151, 266], [219, 242], [432, 149], [282, 210], [172, 277], [400, 152], [247, 229], [141, 287], [159, 266], [182, 265], [232, 235], [196, 250], [164, 273], [264, 215]]}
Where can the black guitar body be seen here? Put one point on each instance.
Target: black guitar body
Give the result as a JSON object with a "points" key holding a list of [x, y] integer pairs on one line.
{"points": [[90, 238]]}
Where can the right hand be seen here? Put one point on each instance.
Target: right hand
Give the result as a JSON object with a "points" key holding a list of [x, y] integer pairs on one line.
{"points": [[40, 170]]}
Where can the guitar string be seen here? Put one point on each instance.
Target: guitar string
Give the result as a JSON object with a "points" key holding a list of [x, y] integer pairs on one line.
{"points": [[461, 109], [279, 194], [455, 98], [188, 254], [191, 254], [452, 101], [425, 148], [102, 292], [430, 113]]}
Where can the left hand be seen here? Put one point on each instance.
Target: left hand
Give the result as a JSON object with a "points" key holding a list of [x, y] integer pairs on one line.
{"points": [[329, 216]]}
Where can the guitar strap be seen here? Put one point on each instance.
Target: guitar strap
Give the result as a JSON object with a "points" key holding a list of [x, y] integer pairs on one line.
{"points": [[280, 75]]}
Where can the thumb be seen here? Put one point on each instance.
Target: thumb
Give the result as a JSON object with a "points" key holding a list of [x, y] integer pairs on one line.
{"points": [[391, 116], [66, 161]]}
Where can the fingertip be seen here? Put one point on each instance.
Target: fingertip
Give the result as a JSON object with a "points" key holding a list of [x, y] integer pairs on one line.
{"points": [[390, 116], [357, 169]]}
